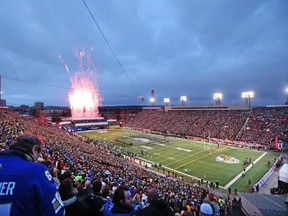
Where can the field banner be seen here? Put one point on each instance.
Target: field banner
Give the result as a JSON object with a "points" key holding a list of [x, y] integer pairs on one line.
{"points": [[267, 175], [135, 160]]}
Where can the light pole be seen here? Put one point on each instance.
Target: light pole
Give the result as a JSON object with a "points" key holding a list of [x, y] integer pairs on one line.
{"points": [[248, 96], [183, 100], [217, 97], [152, 98]]}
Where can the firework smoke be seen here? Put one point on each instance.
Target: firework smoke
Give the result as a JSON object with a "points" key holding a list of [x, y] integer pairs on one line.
{"points": [[84, 96]]}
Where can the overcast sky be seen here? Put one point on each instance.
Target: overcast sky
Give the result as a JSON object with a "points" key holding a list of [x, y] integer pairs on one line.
{"points": [[176, 47]]}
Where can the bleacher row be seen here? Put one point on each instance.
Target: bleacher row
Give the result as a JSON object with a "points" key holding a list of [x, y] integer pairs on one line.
{"points": [[257, 126]]}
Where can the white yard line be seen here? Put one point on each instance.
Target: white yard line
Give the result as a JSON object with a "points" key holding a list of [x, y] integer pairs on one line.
{"points": [[240, 174], [226, 186], [168, 168]]}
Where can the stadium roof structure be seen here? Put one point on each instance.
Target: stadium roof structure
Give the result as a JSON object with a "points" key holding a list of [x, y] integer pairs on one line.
{"points": [[264, 204]]}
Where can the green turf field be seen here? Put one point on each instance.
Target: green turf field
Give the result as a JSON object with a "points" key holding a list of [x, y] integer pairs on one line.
{"points": [[191, 158]]}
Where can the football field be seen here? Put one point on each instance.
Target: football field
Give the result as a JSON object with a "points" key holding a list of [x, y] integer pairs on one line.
{"points": [[192, 159]]}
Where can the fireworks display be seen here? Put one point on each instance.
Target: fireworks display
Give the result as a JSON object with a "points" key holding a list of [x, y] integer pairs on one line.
{"points": [[84, 96]]}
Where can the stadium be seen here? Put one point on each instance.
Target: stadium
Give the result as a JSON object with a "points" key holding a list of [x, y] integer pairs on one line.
{"points": [[224, 151], [233, 157], [173, 108]]}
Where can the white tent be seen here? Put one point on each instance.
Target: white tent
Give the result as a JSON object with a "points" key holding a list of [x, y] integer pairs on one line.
{"points": [[283, 173]]}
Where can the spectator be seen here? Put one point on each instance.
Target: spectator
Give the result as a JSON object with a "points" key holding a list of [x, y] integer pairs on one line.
{"points": [[66, 174], [95, 201], [157, 206], [28, 187], [52, 170], [206, 209], [122, 203], [187, 213], [73, 207], [88, 188]]}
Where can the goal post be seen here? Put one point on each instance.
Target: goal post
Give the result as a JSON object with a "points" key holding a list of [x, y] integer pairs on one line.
{"points": [[206, 145]]}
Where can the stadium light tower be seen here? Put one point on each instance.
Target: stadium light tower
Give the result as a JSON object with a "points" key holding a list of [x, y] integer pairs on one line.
{"points": [[248, 96], [183, 100], [152, 98], [217, 97], [166, 101]]}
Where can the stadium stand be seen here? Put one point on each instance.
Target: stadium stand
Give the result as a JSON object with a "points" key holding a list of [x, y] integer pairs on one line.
{"points": [[257, 127], [83, 159]]}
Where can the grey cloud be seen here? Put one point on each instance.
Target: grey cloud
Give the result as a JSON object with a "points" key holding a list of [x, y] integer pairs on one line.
{"points": [[172, 47]]}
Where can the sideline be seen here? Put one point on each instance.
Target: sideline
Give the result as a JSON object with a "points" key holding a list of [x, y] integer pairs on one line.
{"points": [[240, 174]]}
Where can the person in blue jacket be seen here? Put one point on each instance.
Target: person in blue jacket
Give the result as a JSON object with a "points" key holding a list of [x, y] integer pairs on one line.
{"points": [[27, 188], [121, 205]]}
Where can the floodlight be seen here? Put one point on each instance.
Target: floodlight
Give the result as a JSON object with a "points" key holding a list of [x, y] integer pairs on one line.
{"points": [[140, 99], [183, 98], [249, 94], [152, 100], [217, 96], [166, 100]]}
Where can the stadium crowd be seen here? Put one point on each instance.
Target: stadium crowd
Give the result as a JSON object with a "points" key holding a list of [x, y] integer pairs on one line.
{"points": [[87, 171], [257, 126]]}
